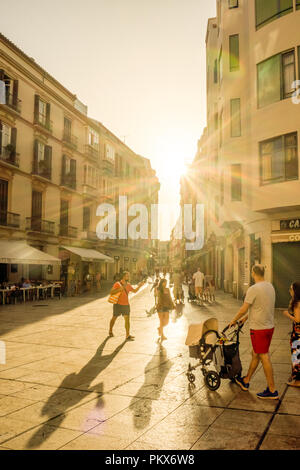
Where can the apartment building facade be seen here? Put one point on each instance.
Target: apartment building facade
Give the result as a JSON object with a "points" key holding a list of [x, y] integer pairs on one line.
{"points": [[250, 150], [56, 166]]}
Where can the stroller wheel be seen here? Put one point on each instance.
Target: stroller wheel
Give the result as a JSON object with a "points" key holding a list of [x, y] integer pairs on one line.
{"points": [[212, 380], [191, 377]]}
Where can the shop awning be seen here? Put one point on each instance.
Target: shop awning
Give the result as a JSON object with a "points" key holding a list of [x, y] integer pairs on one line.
{"points": [[19, 252], [88, 255]]}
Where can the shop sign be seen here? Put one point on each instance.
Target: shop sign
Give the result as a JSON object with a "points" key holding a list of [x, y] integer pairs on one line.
{"points": [[292, 224], [285, 237]]}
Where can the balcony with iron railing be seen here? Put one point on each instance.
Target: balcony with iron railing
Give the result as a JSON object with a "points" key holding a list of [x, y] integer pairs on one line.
{"points": [[13, 102], [68, 231], [68, 181], [42, 122], [37, 224], [9, 219], [41, 168], [9, 155], [70, 140], [92, 151]]}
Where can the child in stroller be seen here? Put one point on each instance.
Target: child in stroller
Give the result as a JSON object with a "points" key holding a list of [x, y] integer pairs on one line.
{"points": [[207, 345]]}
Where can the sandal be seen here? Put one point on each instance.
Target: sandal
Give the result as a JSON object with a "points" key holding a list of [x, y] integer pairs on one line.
{"points": [[130, 338]]}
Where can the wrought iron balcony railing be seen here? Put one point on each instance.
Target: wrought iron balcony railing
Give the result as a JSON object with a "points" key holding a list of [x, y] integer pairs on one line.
{"points": [[9, 219], [40, 225], [68, 231]]}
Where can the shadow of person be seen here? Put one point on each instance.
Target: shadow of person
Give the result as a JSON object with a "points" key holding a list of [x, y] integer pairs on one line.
{"points": [[57, 402], [156, 372]]}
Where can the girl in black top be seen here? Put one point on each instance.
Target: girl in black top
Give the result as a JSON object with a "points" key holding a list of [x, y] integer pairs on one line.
{"points": [[293, 313], [164, 305]]}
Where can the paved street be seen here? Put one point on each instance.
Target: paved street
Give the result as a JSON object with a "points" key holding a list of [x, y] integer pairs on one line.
{"points": [[67, 385]]}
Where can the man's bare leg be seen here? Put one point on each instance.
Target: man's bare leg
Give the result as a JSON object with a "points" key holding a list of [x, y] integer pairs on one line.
{"points": [[252, 367], [268, 370]]}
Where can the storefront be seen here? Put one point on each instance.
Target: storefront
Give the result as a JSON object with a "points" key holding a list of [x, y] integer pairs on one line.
{"points": [[80, 267], [20, 260], [286, 259]]}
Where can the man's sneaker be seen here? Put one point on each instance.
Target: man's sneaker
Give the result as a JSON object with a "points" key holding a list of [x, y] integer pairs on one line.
{"points": [[267, 395], [242, 384]]}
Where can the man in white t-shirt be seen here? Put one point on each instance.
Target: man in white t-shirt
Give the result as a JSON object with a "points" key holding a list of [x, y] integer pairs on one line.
{"points": [[199, 281], [259, 304]]}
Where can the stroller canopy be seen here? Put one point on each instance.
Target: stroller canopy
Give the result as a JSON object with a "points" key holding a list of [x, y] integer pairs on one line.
{"points": [[197, 330]]}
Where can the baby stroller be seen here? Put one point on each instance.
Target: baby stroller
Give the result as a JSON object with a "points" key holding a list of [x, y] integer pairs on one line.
{"points": [[212, 348], [191, 292]]}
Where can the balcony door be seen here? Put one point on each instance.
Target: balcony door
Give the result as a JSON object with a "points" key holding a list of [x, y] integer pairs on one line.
{"points": [[64, 217], [3, 201], [36, 211]]}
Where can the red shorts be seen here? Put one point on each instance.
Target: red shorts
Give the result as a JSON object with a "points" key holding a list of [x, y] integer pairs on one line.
{"points": [[261, 340]]}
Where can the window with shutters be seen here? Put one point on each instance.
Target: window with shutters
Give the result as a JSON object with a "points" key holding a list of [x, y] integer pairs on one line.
{"points": [[42, 113], [86, 218], [11, 91], [8, 144], [234, 53], [42, 161], [235, 117], [279, 159], [267, 11], [275, 77], [68, 172]]}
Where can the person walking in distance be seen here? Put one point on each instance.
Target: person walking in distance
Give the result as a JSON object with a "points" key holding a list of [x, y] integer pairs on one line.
{"points": [[293, 313], [164, 305], [122, 307], [260, 303], [199, 280]]}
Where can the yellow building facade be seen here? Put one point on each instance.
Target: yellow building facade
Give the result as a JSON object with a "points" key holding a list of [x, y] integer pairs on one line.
{"points": [[56, 166]]}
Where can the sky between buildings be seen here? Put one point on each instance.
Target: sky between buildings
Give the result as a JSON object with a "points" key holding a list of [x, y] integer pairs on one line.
{"points": [[139, 66]]}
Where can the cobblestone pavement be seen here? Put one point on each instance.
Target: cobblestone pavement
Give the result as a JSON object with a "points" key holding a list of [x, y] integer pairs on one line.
{"points": [[67, 385]]}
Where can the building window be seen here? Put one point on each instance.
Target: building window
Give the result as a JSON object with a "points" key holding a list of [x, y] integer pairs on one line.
{"points": [[269, 10], [279, 159], [221, 129], [216, 71], [86, 218], [275, 77], [298, 4], [42, 161], [220, 65], [91, 176], [235, 116], [68, 172], [234, 53], [42, 113], [110, 153], [93, 138], [233, 3], [236, 182]]}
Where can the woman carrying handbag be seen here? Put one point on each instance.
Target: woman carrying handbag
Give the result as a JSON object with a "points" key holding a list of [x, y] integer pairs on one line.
{"points": [[119, 298]]}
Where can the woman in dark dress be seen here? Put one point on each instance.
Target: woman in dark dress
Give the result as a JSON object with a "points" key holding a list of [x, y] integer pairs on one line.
{"points": [[164, 305], [293, 313]]}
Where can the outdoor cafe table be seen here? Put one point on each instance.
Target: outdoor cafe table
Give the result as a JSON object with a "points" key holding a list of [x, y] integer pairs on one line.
{"points": [[24, 289]]}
